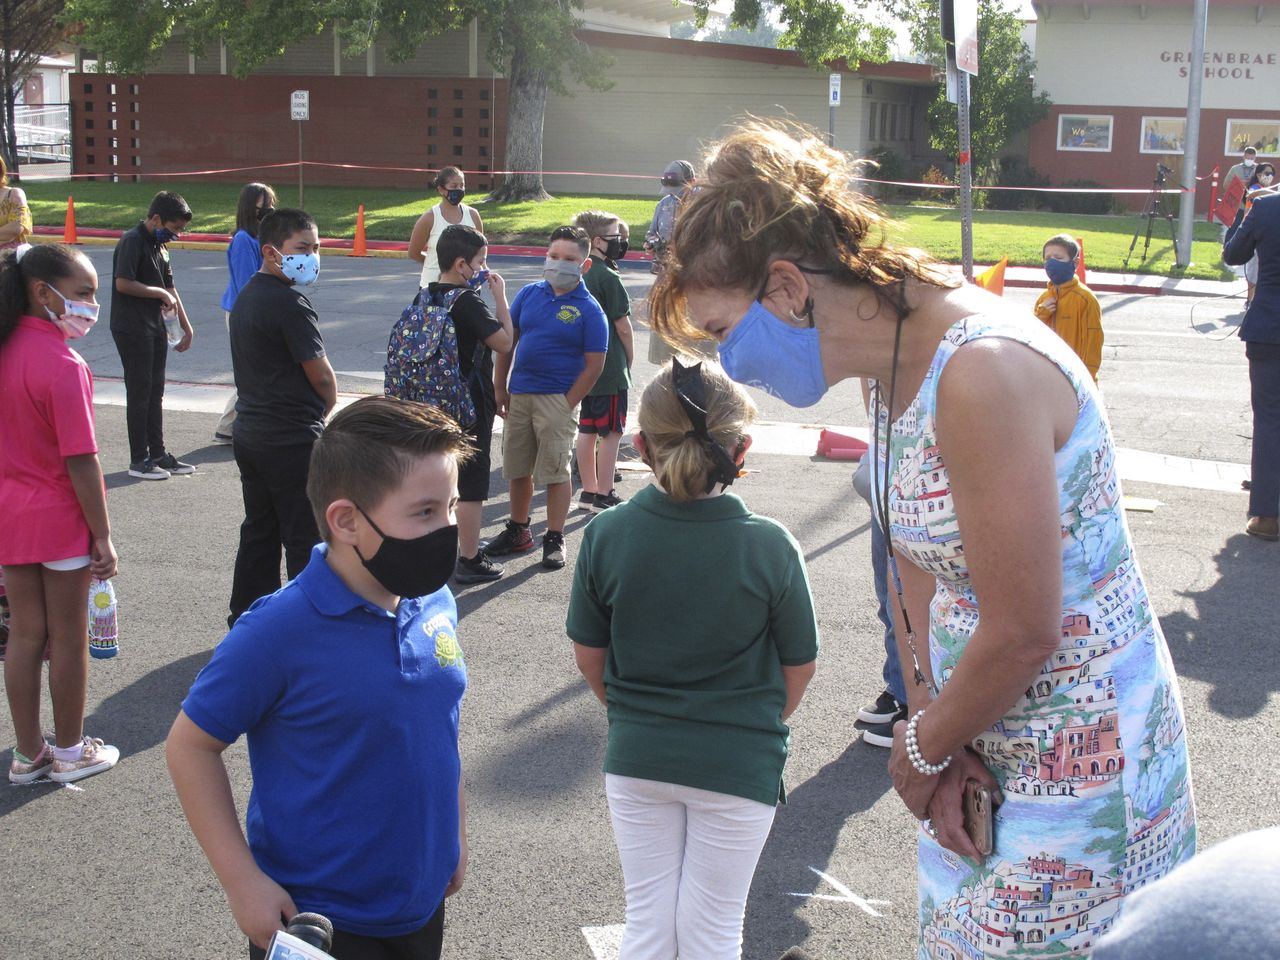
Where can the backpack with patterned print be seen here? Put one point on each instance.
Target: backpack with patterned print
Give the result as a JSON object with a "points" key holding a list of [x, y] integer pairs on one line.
{"points": [[422, 357]]}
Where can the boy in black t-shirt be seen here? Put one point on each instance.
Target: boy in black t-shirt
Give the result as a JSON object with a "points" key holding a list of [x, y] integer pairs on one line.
{"points": [[142, 294], [462, 251], [285, 388]]}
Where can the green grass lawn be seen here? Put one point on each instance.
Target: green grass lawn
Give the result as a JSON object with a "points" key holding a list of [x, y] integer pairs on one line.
{"points": [[390, 213]]}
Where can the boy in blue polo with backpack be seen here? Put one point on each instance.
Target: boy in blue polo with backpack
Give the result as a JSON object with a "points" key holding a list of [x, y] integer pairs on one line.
{"points": [[441, 353]]}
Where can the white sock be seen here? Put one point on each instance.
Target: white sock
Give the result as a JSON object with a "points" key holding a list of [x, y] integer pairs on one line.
{"points": [[68, 754]]}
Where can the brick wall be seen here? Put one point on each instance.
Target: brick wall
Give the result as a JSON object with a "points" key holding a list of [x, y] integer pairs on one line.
{"points": [[1125, 166], [156, 124]]}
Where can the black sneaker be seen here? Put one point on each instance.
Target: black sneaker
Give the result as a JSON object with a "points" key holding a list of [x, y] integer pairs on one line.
{"points": [[881, 734], [175, 466], [223, 438], [586, 500], [603, 501], [617, 476], [477, 569], [883, 710], [147, 470], [553, 550], [514, 538]]}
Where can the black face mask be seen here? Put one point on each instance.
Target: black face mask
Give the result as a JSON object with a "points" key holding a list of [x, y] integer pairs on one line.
{"points": [[413, 568], [455, 196], [617, 248]]}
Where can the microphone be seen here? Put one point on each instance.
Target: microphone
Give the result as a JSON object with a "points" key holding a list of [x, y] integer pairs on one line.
{"points": [[312, 929]]}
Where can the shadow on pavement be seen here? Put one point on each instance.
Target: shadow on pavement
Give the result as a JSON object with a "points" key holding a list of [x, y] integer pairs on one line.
{"points": [[1229, 643], [136, 719], [804, 836]]}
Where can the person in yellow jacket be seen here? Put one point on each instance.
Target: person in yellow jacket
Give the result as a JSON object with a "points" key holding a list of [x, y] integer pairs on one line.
{"points": [[1068, 306]]}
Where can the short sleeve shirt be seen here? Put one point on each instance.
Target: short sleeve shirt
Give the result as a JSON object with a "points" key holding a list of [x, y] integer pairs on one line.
{"points": [[605, 284], [475, 323], [351, 716], [274, 330], [556, 333], [139, 256], [694, 684], [46, 415]]}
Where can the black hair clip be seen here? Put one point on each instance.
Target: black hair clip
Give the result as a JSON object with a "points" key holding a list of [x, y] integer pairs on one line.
{"points": [[691, 391]]}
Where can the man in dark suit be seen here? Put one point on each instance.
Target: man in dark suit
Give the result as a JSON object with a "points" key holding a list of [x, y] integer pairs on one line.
{"points": [[1260, 232]]}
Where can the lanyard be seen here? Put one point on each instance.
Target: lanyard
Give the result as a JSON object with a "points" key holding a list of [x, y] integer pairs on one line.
{"points": [[882, 505]]}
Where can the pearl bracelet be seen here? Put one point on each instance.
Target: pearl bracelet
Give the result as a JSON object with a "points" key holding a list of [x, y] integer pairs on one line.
{"points": [[913, 751]]}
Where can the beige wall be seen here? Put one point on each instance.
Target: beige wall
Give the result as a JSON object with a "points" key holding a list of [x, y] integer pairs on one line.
{"points": [[664, 107], [1116, 57]]}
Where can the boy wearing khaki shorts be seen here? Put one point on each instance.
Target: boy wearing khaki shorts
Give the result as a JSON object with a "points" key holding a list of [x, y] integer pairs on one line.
{"points": [[561, 336]]}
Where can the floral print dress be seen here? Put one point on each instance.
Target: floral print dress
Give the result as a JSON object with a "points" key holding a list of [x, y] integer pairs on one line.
{"points": [[1092, 760], [14, 209]]}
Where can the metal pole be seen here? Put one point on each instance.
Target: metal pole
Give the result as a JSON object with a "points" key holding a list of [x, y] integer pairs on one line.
{"points": [[301, 205], [965, 169], [831, 124], [1191, 144]]}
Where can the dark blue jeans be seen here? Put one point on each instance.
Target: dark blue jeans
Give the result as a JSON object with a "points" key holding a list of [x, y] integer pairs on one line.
{"points": [[880, 568], [1264, 392]]}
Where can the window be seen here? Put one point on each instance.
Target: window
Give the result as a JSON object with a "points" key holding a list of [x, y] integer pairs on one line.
{"points": [[1262, 135], [871, 124], [457, 150], [893, 135], [1079, 132], [457, 113], [1163, 134], [884, 121]]}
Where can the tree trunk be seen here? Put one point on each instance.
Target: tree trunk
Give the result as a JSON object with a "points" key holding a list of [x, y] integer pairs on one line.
{"points": [[527, 107], [9, 147]]}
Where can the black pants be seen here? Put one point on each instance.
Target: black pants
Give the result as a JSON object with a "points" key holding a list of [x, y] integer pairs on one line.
{"points": [[143, 359], [1264, 392], [422, 944], [277, 514]]}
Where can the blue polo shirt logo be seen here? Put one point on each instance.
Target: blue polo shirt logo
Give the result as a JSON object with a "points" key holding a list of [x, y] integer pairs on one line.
{"points": [[568, 313], [440, 630]]}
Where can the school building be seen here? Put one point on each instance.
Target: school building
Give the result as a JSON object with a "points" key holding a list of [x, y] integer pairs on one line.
{"points": [[373, 120], [1117, 73]]}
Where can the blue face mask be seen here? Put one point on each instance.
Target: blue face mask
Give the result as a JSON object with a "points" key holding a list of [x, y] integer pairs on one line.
{"points": [[1060, 271], [302, 268], [478, 279], [784, 361], [164, 234]]}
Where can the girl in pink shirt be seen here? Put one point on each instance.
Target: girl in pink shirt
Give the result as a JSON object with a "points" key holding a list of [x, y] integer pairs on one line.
{"points": [[55, 533]]}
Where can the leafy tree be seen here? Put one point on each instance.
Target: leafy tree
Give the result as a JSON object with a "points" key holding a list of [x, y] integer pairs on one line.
{"points": [[28, 28], [765, 34], [1002, 97], [819, 30], [532, 42]]}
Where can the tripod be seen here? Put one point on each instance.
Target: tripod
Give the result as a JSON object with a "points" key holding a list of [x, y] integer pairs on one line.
{"points": [[1151, 211]]}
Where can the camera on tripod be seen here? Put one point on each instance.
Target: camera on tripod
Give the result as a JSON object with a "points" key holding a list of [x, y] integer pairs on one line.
{"points": [[1153, 210], [1161, 172]]}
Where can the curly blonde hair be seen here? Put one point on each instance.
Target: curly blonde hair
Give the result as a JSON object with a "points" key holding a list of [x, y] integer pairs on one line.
{"points": [[775, 190]]}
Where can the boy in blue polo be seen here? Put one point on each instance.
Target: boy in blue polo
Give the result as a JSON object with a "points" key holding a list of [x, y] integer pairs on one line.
{"points": [[561, 336], [347, 683]]}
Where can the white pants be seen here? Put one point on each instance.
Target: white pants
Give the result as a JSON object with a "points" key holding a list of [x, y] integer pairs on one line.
{"points": [[688, 856]]}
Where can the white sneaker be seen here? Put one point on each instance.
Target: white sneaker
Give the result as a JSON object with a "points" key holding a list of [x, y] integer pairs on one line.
{"points": [[95, 757]]}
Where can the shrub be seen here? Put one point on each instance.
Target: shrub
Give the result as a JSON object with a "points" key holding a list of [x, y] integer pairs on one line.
{"points": [[890, 165], [934, 175], [1080, 202], [1016, 172]]}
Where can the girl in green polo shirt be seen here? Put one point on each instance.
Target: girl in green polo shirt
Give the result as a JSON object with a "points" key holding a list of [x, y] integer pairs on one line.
{"points": [[692, 621]]}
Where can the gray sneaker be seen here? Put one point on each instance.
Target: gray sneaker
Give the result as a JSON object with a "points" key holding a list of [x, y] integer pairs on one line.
{"points": [[147, 470], [174, 465]]}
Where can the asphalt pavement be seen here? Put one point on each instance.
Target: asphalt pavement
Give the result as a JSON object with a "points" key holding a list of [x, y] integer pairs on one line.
{"points": [[109, 869]]}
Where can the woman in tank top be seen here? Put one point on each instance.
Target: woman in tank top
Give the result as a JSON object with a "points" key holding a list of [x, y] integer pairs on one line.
{"points": [[452, 187]]}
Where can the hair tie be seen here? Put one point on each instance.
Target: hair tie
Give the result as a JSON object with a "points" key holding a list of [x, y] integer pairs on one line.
{"points": [[691, 391]]}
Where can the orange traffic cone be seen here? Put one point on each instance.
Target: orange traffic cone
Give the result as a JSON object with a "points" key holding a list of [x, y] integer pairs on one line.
{"points": [[1080, 262], [993, 277], [69, 229], [358, 248]]}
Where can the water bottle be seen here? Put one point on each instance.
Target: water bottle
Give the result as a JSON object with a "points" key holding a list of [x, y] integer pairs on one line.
{"points": [[172, 327], [104, 626]]}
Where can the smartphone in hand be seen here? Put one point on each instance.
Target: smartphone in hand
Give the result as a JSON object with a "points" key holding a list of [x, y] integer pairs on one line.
{"points": [[979, 816]]}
